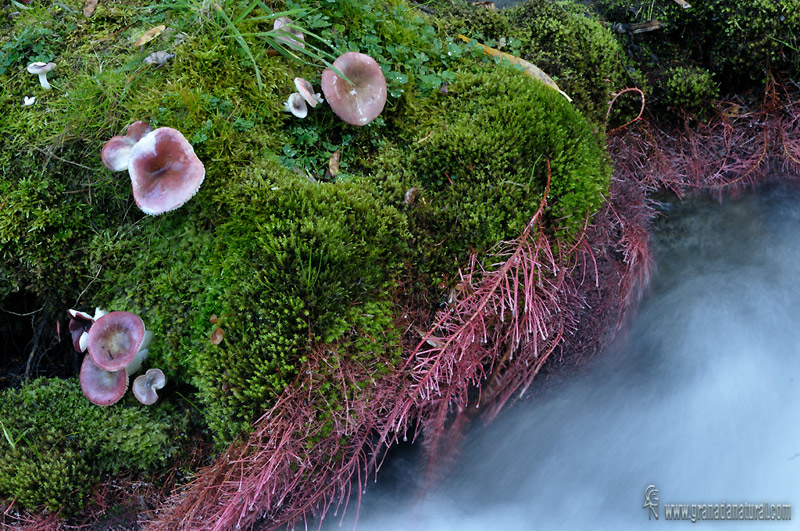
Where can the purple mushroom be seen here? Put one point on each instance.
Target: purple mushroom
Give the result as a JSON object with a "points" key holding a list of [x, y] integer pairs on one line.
{"points": [[361, 101]]}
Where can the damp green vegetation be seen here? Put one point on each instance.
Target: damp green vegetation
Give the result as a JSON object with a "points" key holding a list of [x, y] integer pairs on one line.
{"points": [[280, 250], [563, 38], [55, 444], [735, 45]]}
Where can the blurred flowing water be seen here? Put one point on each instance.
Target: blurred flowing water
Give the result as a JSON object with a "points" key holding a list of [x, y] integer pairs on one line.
{"points": [[700, 399]]}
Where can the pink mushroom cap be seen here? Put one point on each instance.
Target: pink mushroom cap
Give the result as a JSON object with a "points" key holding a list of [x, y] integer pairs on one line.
{"points": [[100, 386], [287, 34], [361, 102], [165, 172], [146, 385], [114, 340], [306, 89], [116, 152]]}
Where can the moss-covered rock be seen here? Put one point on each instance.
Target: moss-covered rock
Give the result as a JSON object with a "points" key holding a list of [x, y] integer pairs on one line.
{"points": [[475, 184], [563, 38], [277, 253], [572, 46]]}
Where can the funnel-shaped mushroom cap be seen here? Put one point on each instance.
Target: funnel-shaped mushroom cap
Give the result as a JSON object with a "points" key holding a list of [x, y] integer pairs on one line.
{"points": [[296, 105], [361, 102], [117, 152], [165, 172], [100, 386], [146, 385], [114, 340]]}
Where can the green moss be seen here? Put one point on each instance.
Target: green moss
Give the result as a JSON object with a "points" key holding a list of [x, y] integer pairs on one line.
{"points": [[56, 444], [481, 184], [579, 53], [691, 89], [285, 258], [739, 41]]}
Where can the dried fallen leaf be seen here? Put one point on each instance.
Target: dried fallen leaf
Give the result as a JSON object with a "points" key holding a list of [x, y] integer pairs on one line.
{"points": [[333, 165], [89, 7], [683, 4], [149, 35], [216, 336]]}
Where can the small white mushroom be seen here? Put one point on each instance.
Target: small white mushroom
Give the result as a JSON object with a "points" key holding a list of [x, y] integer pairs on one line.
{"points": [[27, 101], [41, 70], [146, 385], [296, 105]]}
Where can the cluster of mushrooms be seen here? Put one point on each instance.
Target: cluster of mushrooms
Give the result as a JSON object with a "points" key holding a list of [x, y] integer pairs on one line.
{"points": [[117, 345], [165, 173], [357, 101]]}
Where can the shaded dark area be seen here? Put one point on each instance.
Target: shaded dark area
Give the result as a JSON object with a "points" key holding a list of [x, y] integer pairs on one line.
{"points": [[34, 343]]}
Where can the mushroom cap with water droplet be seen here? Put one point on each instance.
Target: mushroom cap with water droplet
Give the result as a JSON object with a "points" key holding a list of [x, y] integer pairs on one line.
{"points": [[362, 101], [114, 340], [165, 172]]}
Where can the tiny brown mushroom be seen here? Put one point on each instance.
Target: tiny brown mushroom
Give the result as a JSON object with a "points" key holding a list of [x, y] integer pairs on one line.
{"points": [[216, 336]]}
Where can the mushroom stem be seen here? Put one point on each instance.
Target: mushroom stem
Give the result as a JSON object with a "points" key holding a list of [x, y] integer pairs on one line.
{"points": [[43, 81]]}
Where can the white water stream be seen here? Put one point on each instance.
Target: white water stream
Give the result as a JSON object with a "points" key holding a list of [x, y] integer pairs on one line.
{"points": [[700, 399]]}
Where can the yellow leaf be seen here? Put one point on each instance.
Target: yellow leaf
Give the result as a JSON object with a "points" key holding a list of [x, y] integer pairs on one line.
{"points": [[149, 35], [530, 68]]}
